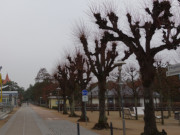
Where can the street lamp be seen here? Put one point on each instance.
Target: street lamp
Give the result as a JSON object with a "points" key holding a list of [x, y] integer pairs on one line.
{"points": [[50, 94], [1, 83], [58, 90], [119, 64], [40, 100]]}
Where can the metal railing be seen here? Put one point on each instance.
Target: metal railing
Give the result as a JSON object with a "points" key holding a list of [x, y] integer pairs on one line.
{"points": [[6, 107]]}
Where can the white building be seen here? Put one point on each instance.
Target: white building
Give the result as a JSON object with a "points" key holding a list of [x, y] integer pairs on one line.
{"points": [[10, 97], [112, 97]]}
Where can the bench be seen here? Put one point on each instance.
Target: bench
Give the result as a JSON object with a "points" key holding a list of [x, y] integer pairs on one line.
{"points": [[158, 118], [128, 114], [140, 110]]}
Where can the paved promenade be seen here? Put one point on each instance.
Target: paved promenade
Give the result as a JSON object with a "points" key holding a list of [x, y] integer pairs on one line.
{"points": [[26, 121]]}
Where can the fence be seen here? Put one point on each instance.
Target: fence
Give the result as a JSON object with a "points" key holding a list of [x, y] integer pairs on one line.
{"points": [[6, 107]]}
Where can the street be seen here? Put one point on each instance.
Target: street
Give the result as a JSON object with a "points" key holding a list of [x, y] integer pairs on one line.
{"points": [[32, 120]]}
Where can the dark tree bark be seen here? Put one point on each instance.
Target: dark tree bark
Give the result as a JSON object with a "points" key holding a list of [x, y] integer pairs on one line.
{"points": [[148, 74], [81, 77], [72, 86], [62, 78], [72, 106], [101, 64], [119, 96], [135, 93], [83, 117], [159, 77], [64, 105], [102, 122], [160, 16], [135, 102]]}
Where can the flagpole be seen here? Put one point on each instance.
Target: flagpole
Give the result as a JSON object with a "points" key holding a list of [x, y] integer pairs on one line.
{"points": [[1, 88], [1, 84]]}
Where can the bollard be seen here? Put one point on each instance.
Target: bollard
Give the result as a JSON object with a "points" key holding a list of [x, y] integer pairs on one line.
{"points": [[111, 128], [179, 118], [78, 131]]}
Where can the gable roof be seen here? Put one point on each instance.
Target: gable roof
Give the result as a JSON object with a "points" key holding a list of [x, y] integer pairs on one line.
{"points": [[126, 92], [6, 80]]}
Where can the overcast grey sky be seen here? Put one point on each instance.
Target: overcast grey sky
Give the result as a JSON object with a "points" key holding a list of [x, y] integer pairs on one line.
{"points": [[36, 34]]}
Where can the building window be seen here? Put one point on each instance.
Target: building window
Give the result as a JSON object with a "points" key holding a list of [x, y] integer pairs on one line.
{"points": [[4, 100]]}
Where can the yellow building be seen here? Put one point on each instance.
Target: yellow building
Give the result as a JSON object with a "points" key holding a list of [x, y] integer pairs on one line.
{"points": [[53, 102]]}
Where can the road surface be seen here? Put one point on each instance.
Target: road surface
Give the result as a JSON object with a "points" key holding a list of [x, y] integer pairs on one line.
{"points": [[26, 121]]}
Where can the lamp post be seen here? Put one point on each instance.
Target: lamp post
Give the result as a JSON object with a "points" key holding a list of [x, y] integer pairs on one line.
{"points": [[40, 100], [1, 83], [58, 90], [50, 100], [119, 64]]}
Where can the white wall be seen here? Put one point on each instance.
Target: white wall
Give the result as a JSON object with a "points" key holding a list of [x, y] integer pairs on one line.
{"points": [[154, 100], [142, 102]]}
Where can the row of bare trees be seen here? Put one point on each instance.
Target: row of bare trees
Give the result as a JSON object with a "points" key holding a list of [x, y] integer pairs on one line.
{"points": [[159, 19], [77, 70], [74, 74], [77, 73]]}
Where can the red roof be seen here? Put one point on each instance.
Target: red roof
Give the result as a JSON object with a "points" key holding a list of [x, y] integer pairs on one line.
{"points": [[6, 80]]}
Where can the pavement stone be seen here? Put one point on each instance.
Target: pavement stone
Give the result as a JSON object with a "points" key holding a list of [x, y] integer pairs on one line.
{"points": [[27, 122]]}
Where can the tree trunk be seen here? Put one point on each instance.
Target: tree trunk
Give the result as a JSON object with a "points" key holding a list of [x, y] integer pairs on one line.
{"points": [[83, 117], [64, 105], [169, 103], [91, 103], [107, 104], [72, 109], [119, 101], [169, 107], [102, 122], [161, 98], [148, 73], [135, 101], [150, 127]]}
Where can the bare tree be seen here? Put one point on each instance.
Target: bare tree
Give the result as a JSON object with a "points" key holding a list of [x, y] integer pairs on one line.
{"points": [[165, 83], [134, 83], [82, 79], [62, 78], [101, 62], [160, 19], [72, 84], [159, 74], [115, 78], [73, 77]]}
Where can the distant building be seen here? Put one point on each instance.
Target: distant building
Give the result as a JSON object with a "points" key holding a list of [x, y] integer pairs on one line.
{"points": [[10, 98], [6, 80], [53, 101], [111, 97]]}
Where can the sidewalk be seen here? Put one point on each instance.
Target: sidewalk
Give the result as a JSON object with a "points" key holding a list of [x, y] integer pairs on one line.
{"points": [[26, 121], [57, 125]]}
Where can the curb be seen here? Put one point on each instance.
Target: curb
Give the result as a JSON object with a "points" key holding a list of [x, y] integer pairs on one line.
{"points": [[4, 115]]}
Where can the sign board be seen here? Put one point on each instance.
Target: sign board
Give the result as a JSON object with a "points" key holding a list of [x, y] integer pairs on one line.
{"points": [[175, 67], [84, 92], [173, 70], [171, 73], [85, 98]]}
